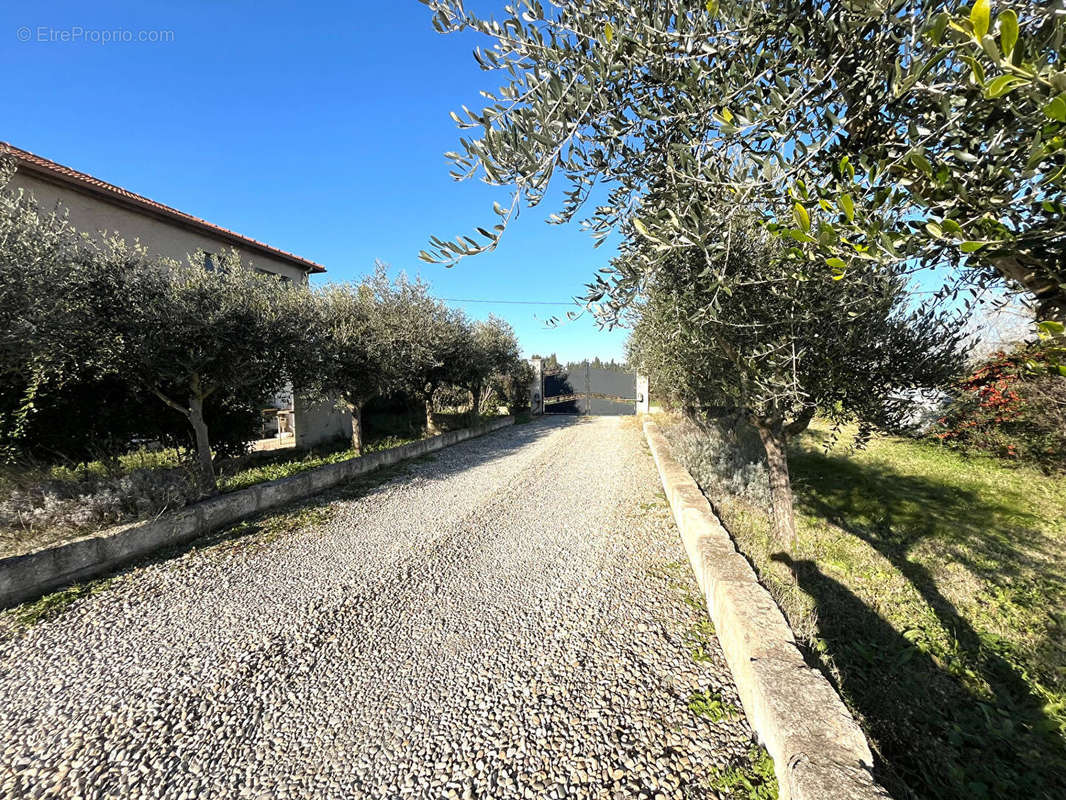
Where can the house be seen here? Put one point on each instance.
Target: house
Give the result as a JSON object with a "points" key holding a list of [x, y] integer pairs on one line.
{"points": [[94, 206]]}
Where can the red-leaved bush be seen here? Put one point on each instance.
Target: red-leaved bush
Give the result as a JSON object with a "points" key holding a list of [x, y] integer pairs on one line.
{"points": [[1013, 406]]}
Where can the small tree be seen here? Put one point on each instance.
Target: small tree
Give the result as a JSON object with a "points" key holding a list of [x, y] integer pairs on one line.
{"points": [[494, 353], [382, 336], [784, 343], [514, 386], [347, 363], [451, 351]]}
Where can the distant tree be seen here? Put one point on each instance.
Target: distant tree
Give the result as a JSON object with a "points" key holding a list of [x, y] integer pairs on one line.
{"points": [[784, 344], [381, 337], [549, 363], [513, 386]]}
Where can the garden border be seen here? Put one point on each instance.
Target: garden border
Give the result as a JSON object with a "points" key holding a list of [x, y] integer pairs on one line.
{"points": [[819, 750], [28, 576]]}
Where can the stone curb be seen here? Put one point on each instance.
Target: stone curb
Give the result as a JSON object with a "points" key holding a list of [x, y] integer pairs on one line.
{"points": [[29, 576], [819, 751]]}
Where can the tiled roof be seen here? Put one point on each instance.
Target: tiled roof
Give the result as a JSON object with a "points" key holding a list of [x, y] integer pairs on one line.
{"points": [[79, 180]]}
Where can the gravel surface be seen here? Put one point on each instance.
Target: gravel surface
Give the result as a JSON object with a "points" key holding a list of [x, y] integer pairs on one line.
{"points": [[514, 618]]}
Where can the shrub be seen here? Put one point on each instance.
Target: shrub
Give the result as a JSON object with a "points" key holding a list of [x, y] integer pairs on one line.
{"points": [[513, 386], [1011, 406], [35, 503], [86, 418], [725, 457]]}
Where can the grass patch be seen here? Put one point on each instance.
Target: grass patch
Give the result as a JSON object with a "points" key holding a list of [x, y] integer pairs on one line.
{"points": [[712, 706], [52, 605], [699, 637], [286, 464], [931, 588], [753, 780]]}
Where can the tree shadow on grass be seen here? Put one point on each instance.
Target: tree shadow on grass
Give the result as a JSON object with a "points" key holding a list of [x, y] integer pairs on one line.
{"points": [[961, 722]]}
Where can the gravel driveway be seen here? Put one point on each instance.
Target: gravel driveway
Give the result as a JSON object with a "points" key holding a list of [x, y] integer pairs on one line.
{"points": [[511, 619]]}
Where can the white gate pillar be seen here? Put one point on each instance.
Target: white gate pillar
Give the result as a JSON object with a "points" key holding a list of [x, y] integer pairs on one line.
{"points": [[536, 388], [643, 401]]}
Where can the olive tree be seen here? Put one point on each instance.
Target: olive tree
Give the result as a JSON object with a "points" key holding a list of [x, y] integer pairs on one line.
{"points": [[876, 129], [348, 363], [77, 312], [51, 282], [786, 342], [189, 331], [494, 354], [377, 337], [450, 340]]}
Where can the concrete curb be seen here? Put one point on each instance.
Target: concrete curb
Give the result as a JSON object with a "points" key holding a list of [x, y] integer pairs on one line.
{"points": [[819, 751], [29, 576]]}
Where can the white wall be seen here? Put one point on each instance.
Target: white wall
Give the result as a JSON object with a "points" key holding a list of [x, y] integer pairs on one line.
{"points": [[643, 400], [536, 387], [318, 422]]}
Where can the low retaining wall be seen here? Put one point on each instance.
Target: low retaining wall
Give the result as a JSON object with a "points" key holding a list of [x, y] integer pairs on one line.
{"points": [[819, 751], [29, 576]]}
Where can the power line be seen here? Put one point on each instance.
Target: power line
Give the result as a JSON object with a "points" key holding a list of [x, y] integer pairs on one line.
{"points": [[511, 302]]}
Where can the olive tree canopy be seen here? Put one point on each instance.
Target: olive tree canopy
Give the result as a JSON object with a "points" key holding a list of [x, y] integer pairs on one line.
{"points": [[878, 129], [784, 343], [190, 330]]}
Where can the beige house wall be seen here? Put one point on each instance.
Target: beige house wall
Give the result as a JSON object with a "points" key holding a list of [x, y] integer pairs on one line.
{"points": [[161, 237]]}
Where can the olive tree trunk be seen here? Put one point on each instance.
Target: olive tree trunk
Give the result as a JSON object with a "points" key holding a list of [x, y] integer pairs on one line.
{"points": [[475, 410], [431, 426], [357, 427], [204, 460], [775, 443], [194, 413]]}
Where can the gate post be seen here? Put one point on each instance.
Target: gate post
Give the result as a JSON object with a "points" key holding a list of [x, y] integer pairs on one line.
{"points": [[536, 388], [588, 391], [643, 400]]}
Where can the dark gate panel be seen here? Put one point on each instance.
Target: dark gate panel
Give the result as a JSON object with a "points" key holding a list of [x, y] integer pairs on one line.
{"points": [[587, 389], [560, 393], [611, 392]]}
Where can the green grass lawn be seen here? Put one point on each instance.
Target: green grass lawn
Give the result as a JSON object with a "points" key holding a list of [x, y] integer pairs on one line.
{"points": [[931, 587]]}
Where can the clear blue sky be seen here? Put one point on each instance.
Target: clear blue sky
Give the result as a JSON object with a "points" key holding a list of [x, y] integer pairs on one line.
{"points": [[318, 128]]}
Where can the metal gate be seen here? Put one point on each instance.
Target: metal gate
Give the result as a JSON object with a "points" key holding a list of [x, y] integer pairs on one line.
{"points": [[586, 389]]}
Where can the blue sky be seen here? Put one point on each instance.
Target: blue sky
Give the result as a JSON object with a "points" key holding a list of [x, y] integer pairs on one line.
{"points": [[320, 130]]}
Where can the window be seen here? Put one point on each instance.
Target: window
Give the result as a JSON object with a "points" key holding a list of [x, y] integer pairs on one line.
{"points": [[282, 278]]}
